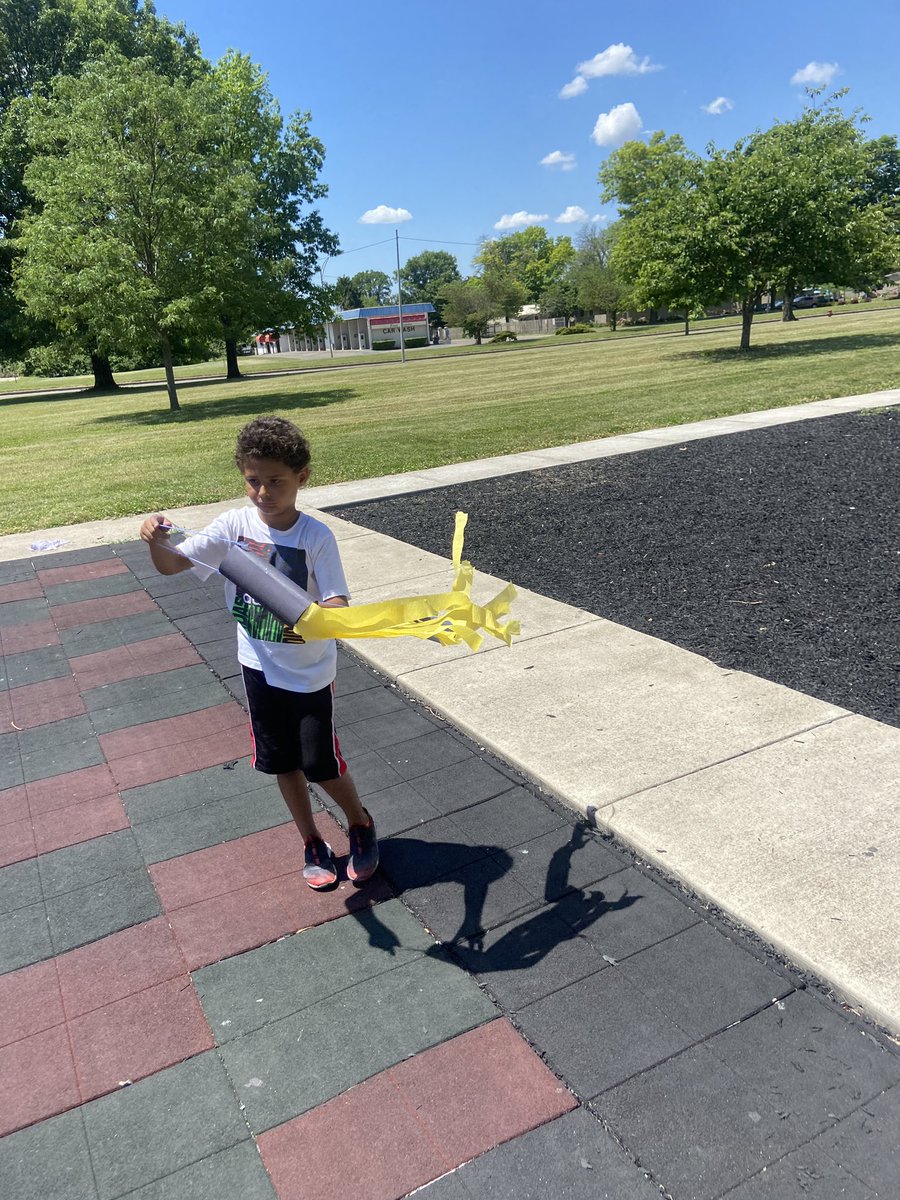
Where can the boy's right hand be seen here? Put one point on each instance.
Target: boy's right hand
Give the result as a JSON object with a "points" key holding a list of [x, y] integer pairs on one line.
{"points": [[156, 528]]}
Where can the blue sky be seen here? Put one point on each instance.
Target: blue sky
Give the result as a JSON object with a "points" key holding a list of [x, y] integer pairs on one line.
{"points": [[452, 113]]}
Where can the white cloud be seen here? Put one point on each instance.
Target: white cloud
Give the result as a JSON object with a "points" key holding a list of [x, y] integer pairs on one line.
{"points": [[574, 88], [518, 220], [716, 107], [619, 125], [599, 218], [384, 215], [559, 158], [617, 59], [815, 74], [574, 213]]}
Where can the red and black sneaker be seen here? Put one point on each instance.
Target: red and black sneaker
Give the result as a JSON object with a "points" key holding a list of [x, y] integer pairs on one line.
{"points": [[320, 870], [363, 862]]}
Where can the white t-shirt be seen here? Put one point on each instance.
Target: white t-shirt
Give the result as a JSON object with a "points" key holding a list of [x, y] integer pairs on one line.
{"points": [[307, 553]]}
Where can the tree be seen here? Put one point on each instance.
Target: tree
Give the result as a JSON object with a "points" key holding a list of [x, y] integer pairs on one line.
{"points": [[530, 256], [505, 292], [137, 209], [425, 276], [599, 286], [374, 288], [561, 298], [467, 303], [346, 293]]}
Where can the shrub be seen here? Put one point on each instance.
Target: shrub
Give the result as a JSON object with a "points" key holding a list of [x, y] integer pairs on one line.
{"points": [[507, 335], [415, 343], [576, 328], [385, 344]]}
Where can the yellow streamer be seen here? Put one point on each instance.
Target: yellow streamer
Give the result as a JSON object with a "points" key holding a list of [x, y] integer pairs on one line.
{"points": [[450, 618]]}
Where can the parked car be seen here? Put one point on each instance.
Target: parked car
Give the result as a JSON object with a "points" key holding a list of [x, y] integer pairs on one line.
{"points": [[813, 298]]}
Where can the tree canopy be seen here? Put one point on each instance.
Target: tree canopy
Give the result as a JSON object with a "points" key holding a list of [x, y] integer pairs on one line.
{"points": [[529, 257], [425, 276]]}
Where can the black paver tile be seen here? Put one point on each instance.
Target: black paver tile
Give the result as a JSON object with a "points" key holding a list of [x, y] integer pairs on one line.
{"points": [[600, 1031], [528, 958], [312, 1055], [461, 784], [387, 730], [99, 909], [421, 755], [24, 937], [477, 897], [635, 911], [867, 1143], [71, 558], [353, 679], [59, 759], [696, 1126], [237, 1172], [48, 1161], [36, 666], [396, 809], [88, 862], [369, 770], [209, 824], [214, 632], [155, 584], [20, 612], [509, 819], [92, 589], [563, 860], [177, 605], [162, 1124], [429, 852], [20, 884], [572, 1157], [363, 705], [703, 980], [234, 685], [805, 1174]]}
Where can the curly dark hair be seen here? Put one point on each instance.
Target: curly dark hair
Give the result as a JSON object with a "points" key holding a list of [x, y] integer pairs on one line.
{"points": [[275, 438]]}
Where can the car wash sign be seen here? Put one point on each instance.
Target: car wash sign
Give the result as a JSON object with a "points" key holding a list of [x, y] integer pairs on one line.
{"points": [[415, 324]]}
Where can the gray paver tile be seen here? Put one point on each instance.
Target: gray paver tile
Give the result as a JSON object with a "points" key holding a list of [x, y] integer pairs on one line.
{"points": [[10, 762], [153, 800], [704, 981], [572, 1157], [806, 1174], [867, 1143], [635, 912], [71, 558], [388, 730], [448, 1187], [565, 859], [508, 820], [210, 633], [130, 691], [16, 571], [600, 1031], [397, 809], [288, 1067], [248, 991], [35, 666], [209, 824], [24, 937], [237, 1172], [478, 896], [429, 852], [62, 758], [421, 755], [190, 603], [155, 708], [369, 770], [698, 1127], [461, 784], [107, 635], [101, 908], [366, 704], [162, 1124], [54, 733], [92, 589], [88, 862], [20, 884], [19, 612], [48, 1161], [353, 678]]}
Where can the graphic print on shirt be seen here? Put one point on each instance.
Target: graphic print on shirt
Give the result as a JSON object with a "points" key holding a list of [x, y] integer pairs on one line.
{"points": [[256, 620]]}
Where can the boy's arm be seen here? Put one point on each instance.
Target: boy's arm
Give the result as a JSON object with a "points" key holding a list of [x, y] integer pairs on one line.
{"points": [[166, 558]]}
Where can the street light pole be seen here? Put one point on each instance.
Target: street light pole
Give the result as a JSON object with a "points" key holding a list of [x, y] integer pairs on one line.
{"points": [[322, 281], [400, 299]]}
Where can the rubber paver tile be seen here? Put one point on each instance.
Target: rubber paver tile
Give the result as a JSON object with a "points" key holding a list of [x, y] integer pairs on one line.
{"points": [[60, 758], [50, 576], [30, 1002], [698, 1127], [13, 804], [477, 897], [396, 809], [566, 859], [33, 666], [806, 1173], [11, 774], [92, 589], [93, 912], [138, 1036], [387, 730], [867, 1142], [22, 612], [17, 842], [161, 1125], [78, 823], [361, 706], [508, 820], [118, 631], [370, 772], [352, 678], [138, 690], [153, 656], [205, 874], [154, 800], [311, 1056], [26, 589], [187, 604], [48, 1161], [571, 1157], [118, 966], [43, 703], [599, 1031], [231, 924], [53, 734], [428, 852], [424, 754], [529, 958], [24, 936], [37, 1079], [34, 635], [171, 731], [464, 783], [73, 867], [158, 706], [71, 558], [151, 766], [207, 824], [704, 981], [74, 787], [236, 1173], [20, 885], [106, 608], [243, 993]]}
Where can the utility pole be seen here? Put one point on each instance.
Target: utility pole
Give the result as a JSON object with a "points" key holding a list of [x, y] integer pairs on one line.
{"points": [[400, 299]]}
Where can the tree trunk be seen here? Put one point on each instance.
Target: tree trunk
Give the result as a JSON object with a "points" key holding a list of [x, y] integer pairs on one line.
{"points": [[787, 312], [103, 376], [612, 319], [687, 323], [233, 370], [174, 406], [747, 305]]}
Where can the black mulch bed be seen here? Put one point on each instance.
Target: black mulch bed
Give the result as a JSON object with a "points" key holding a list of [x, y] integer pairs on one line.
{"points": [[775, 551]]}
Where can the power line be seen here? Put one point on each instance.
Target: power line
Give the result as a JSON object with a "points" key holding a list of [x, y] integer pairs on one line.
{"points": [[438, 241]]}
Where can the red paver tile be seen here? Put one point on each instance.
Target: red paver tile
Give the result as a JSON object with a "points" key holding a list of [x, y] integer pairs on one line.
{"points": [[150, 657], [30, 1002], [13, 805], [204, 874], [73, 787], [230, 924], [78, 573], [28, 589], [118, 966], [33, 635], [138, 1036], [79, 823], [171, 732], [41, 703], [37, 1079], [150, 766], [422, 1118], [104, 608], [17, 842]]}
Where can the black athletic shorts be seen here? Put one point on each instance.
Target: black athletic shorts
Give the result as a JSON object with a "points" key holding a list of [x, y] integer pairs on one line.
{"points": [[292, 731]]}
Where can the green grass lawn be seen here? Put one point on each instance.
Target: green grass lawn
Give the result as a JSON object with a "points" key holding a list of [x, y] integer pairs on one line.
{"points": [[80, 457]]}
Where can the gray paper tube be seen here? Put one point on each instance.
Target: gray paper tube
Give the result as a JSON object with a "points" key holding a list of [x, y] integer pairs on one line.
{"points": [[268, 587]]}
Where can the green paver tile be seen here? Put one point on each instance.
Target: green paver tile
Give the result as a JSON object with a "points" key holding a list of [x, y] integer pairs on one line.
{"points": [[154, 708], [35, 666], [24, 938], [132, 691], [54, 733], [58, 760], [288, 1067], [209, 824], [19, 612], [102, 908], [17, 571], [153, 800], [248, 991], [91, 589], [48, 1161], [10, 762], [102, 857], [161, 1125], [120, 631], [237, 1172], [20, 884]]}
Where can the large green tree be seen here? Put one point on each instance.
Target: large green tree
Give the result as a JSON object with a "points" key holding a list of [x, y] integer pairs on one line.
{"points": [[530, 256], [468, 304], [425, 276], [137, 209], [373, 287], [598, 284]]}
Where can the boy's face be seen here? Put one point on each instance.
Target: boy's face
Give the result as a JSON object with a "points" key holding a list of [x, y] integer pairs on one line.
{"points": [[272, 487]]}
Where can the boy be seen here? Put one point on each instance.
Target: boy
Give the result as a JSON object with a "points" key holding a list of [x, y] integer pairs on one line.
{"points": [[289, 682]]}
